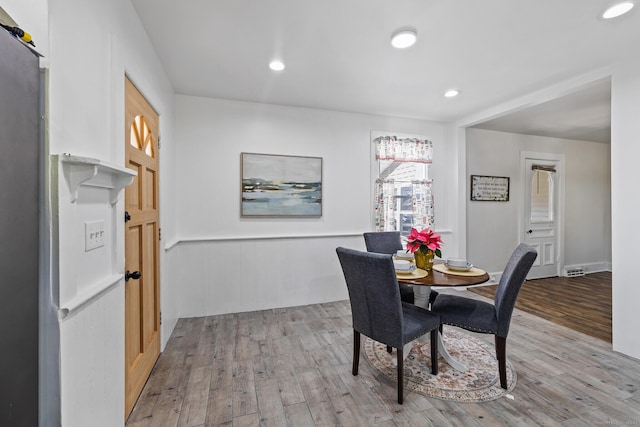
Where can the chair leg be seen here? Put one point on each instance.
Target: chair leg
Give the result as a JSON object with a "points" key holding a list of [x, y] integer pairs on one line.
{"points": [[356, 352], [501, 355], [389, 349], [432, 297], [434, 352], [400, 374]]}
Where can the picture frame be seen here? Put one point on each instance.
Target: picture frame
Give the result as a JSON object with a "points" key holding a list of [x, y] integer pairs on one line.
{"points": [[489, 188], [274, 185]]}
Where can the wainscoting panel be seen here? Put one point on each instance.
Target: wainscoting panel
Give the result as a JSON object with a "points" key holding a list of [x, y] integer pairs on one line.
{"points": [[92, 361], [229, 276]]}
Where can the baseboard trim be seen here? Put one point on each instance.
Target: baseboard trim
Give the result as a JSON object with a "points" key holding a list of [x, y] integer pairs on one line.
{"points": [[592, 267], [494, 278]]}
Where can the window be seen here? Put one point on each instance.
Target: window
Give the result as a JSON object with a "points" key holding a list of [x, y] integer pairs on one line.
{"points": [[542, 194], [141, 136], [403, 189]]}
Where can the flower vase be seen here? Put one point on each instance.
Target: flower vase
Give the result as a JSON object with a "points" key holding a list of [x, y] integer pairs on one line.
{"points": [[424, 260]]}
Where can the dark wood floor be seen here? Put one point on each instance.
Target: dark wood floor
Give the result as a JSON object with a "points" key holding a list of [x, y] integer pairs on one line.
{"points": [[581, 303], [292, 367]]}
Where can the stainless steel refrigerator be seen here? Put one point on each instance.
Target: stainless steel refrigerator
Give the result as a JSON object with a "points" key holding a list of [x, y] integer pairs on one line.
{"points": [[20, 196]]}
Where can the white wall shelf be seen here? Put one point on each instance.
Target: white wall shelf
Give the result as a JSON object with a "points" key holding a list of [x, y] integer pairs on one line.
{"points": [[96, 173]]}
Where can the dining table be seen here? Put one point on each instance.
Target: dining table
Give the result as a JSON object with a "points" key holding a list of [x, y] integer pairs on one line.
{"points": [[442, 277]]}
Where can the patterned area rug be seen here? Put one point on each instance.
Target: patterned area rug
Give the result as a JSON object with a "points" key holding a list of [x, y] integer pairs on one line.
{"points": [[480, 383]]}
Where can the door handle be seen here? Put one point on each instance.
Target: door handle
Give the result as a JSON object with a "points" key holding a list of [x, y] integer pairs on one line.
{"points": [[129, 275], [530, 231]]}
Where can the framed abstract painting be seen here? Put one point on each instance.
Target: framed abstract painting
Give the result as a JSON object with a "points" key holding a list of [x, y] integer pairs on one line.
{"points": [[280, 186]]}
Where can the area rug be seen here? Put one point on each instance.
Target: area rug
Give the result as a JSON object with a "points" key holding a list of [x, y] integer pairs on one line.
{"points": [[480, 383]]}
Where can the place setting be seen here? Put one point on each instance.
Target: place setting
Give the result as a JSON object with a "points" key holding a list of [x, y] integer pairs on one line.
{"points": [[458, 267], [406, 268]]}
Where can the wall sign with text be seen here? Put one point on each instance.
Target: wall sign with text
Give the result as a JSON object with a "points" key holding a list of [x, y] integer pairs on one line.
{"points": [[490, 188]]}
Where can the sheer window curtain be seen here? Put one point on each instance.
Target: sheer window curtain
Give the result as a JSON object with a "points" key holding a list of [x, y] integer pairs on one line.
{"points": [[401, 201]]}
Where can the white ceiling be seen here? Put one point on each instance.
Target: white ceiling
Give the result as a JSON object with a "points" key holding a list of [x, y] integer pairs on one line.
{"points": [[338, 56], [583, 115]]}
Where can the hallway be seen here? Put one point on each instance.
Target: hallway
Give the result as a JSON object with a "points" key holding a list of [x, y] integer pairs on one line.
{"points": [[581, 303]]}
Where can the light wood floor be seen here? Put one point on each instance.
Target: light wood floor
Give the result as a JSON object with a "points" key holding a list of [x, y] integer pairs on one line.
{"points": [[292, 367], [581, 303]]}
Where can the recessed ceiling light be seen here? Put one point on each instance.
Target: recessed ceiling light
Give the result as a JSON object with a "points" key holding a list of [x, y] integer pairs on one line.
{"points": [[276, 65], [451, 93], [617, 10], [404, 38]]}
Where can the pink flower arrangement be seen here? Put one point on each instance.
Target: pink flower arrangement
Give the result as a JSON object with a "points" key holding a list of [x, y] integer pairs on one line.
{"points": [[425, 240]]}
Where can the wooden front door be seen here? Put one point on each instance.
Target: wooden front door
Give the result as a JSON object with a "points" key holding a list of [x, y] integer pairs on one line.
{"points": [[142, 290]]}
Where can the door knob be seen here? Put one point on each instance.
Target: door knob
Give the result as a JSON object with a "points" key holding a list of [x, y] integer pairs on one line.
{"points": [[530, 231], [129, 275]]}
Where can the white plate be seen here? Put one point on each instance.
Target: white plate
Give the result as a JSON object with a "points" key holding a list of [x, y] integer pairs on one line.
{"points": [[466, 268]]}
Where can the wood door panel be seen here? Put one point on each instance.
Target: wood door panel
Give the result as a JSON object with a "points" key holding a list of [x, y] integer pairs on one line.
{"points": [[133, 191], [150, 200], [132, 296], [150, 310], [133, 347]]}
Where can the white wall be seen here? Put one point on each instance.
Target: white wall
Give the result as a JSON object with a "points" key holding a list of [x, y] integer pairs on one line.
{"points": [[89, 45], [231, 263], [625, 198], [493, 227], [31, 16], [587, 203]]}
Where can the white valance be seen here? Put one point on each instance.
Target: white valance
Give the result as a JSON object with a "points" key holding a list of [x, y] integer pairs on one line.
{"points": [[404, 149]]}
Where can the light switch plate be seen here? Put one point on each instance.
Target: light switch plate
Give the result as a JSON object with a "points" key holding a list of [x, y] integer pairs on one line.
{"points": [[93, 235]]}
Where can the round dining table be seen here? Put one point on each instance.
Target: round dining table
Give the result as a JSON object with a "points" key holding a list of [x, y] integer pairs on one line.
{"points": [[422, 291], [437, 278]]}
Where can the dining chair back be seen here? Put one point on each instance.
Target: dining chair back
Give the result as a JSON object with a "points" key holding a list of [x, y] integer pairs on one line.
{"points": [[511, 281], [377, 311], [383, 242], [389, 242], [480, 316]]}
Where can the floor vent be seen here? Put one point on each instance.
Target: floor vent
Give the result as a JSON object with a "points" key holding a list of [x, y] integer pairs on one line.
{"points": [[575, 272]]}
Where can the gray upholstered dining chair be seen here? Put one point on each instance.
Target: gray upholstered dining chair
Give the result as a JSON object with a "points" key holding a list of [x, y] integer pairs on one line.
{"points": [[388, 242], [483, 317], [377, 311]]}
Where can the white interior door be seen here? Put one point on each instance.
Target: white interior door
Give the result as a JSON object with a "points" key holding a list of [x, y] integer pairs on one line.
{"points": [[542, 179]]}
